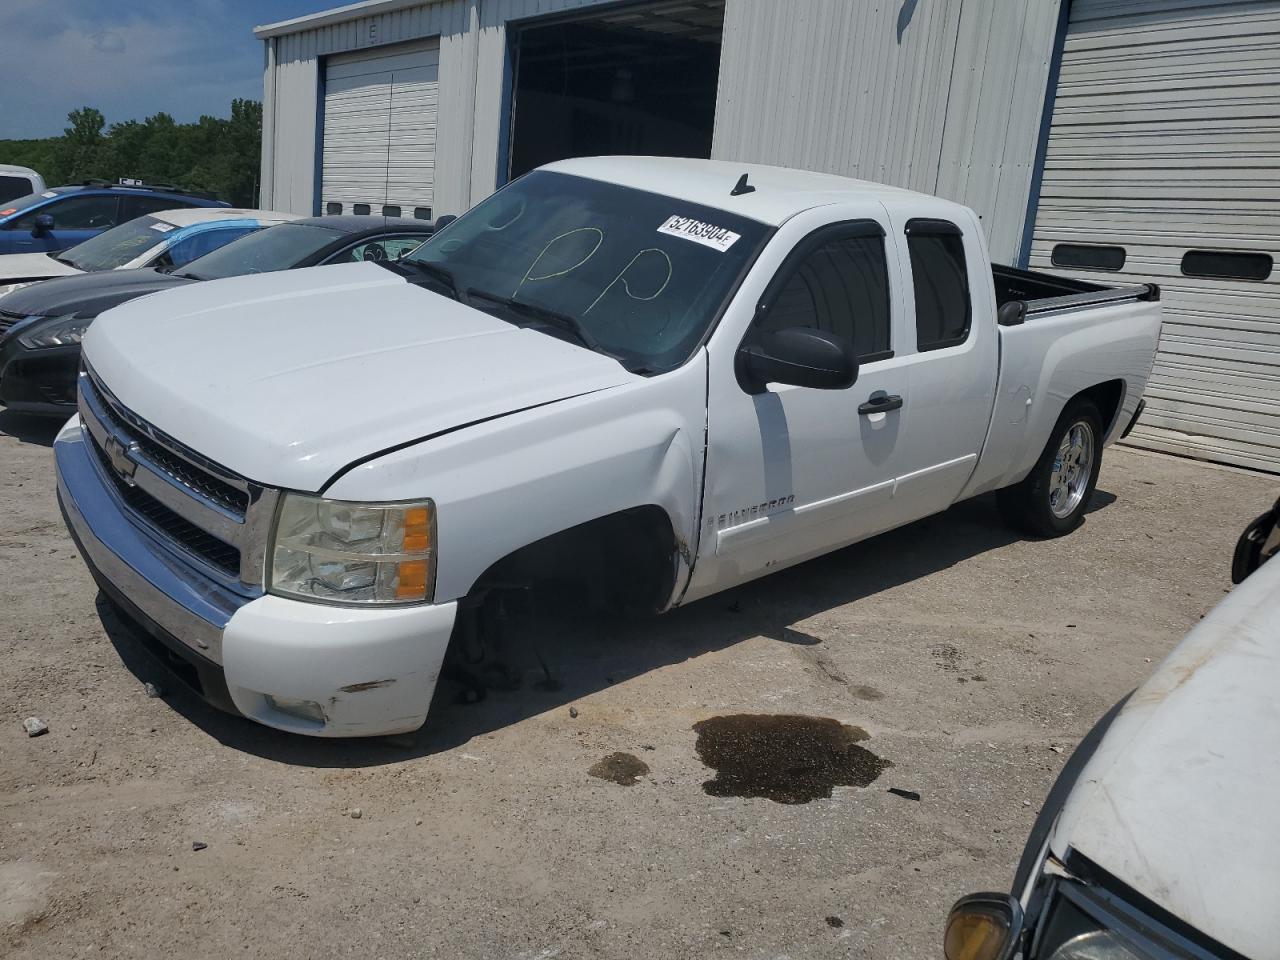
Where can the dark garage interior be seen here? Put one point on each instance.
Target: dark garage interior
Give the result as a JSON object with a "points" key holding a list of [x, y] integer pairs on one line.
{"points": [[637, 79]]}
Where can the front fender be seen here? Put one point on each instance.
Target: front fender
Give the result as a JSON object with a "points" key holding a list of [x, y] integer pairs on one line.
{"points": [[509, 482]]}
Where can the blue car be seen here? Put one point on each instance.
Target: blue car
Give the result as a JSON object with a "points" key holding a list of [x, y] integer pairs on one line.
{"points": [[61, 217]]}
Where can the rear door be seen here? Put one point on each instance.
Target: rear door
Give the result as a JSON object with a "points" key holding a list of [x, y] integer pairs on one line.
{"points": [[950, 353]]}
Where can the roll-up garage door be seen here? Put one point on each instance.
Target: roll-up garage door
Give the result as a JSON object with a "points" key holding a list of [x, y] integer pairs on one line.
{"points": [[1163, 164], [380, 131]]}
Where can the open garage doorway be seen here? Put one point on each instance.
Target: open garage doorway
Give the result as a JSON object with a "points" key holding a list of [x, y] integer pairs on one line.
{"points": [[633, 79]]}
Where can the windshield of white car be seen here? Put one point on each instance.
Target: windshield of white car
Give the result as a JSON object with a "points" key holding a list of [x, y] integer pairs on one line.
{"points": [[638, 276], [281, 247], [117, 246]]}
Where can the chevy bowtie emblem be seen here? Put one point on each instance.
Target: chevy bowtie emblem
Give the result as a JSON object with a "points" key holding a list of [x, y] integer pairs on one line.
{"points": [[121, 462]]}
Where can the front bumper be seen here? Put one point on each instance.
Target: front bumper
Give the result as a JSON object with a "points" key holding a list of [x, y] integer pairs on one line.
{"points": [[371, 672], [38, 381]]}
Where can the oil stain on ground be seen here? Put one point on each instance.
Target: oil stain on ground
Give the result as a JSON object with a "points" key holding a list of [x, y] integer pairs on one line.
{"points": [[784, 758], [622, 768]]}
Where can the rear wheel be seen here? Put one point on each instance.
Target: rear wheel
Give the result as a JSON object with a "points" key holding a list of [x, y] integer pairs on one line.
{"points": [[1052, 500]]}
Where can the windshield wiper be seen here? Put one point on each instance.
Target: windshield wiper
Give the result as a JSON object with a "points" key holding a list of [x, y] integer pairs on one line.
{"points": [[434, 270], [61, 259], [554, 318]]}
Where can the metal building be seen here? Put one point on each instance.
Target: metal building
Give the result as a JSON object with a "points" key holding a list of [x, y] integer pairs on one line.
{"points": [[1096, 137]]}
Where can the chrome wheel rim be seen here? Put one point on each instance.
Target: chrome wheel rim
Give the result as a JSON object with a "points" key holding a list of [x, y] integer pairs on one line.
{"points": [[1072, 468]]}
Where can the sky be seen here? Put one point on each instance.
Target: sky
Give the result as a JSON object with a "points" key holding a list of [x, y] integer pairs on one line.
{"points": [[130, 58]]}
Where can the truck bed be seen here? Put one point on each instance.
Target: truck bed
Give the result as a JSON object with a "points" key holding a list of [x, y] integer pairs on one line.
{"points": [[1021, 294], [1058, 337]]}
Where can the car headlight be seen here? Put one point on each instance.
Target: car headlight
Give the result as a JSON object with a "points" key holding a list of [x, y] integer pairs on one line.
{"points": [[334, 551], [1095, 945], [1074, 932], [55, 332]]}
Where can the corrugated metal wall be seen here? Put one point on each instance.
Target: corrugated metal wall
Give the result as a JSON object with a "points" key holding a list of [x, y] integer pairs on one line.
{"points": [[943, 96], [1166, 138]]}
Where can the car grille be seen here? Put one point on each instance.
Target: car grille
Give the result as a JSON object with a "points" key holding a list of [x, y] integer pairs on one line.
{"points": [[204, 510], [186, 534], [7, 320], [184, 472]]}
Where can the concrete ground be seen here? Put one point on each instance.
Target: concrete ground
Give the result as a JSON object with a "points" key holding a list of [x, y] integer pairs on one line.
{"points": [[964, 652]]}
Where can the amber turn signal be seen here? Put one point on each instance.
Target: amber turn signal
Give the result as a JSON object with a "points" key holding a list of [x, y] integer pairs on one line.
{"points": [[983, 926]]}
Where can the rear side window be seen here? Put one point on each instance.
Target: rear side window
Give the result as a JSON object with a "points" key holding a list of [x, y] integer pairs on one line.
{"points": [[13, 187], [133, 206], [1088, 256], [941, 280], [198, 244], [839, 285], [1227, 264]]}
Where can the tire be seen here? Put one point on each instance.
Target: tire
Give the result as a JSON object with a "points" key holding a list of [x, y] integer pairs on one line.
{"points": [[1053, 498]]}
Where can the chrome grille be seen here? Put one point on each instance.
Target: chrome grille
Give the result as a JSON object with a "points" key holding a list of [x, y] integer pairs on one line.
{"points": [[202, 482], [187, 535], [210, 514]]}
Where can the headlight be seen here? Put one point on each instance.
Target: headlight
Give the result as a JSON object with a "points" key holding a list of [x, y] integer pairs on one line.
{"points": [[1095, 945], [362, 553], [55, 332], [1073, 932]]}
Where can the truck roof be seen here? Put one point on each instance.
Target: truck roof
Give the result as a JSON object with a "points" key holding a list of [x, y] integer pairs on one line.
{"points": [[780, 192]]}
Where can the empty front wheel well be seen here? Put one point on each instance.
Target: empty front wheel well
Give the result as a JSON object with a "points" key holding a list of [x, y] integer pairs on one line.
{"points": [[627, 560]]}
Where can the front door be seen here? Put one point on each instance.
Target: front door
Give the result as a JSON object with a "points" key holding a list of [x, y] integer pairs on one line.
{"points": [[793, 472]]}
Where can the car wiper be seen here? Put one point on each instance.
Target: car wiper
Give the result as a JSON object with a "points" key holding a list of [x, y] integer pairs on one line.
{"points": [[554, 318], [61, 259], [435, 271]]}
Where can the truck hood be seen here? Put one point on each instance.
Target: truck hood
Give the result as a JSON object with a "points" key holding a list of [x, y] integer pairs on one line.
{"points": [[1179, 800], [287, 378]]}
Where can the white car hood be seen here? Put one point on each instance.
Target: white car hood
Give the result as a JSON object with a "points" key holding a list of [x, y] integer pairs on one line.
{"points": [[1180, 799], [31, 266], [287, 378]]}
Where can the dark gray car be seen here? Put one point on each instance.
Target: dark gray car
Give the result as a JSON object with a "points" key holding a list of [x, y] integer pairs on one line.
{"points": [[41, 326]]}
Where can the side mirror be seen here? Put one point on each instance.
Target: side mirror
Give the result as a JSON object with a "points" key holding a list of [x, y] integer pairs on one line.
{"points": [[800, 356], [442, 222], [1259, 542], [43, 225]]}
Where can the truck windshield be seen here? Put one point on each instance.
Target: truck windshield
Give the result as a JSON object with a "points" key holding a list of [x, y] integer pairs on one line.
{"points": [[636, 275], [281, 247], [117, 246]]}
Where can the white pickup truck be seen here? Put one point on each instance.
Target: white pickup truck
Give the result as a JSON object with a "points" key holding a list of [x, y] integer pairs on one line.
{"points": [[656, 377]]}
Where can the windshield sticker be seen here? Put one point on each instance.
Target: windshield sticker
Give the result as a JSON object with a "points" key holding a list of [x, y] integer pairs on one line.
{"points": [[162, 227], [48, 193], [5, 213], [707, 234]]}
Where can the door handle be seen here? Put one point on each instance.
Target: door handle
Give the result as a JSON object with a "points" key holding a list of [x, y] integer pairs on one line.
{"points": [[882, 404]]}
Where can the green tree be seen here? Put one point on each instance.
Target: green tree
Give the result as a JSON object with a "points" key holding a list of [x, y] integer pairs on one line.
{"points": [[220, 155]]}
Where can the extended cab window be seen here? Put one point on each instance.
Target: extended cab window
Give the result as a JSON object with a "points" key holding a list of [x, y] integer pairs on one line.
{"points": [[941, 280], [839, 284]]}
